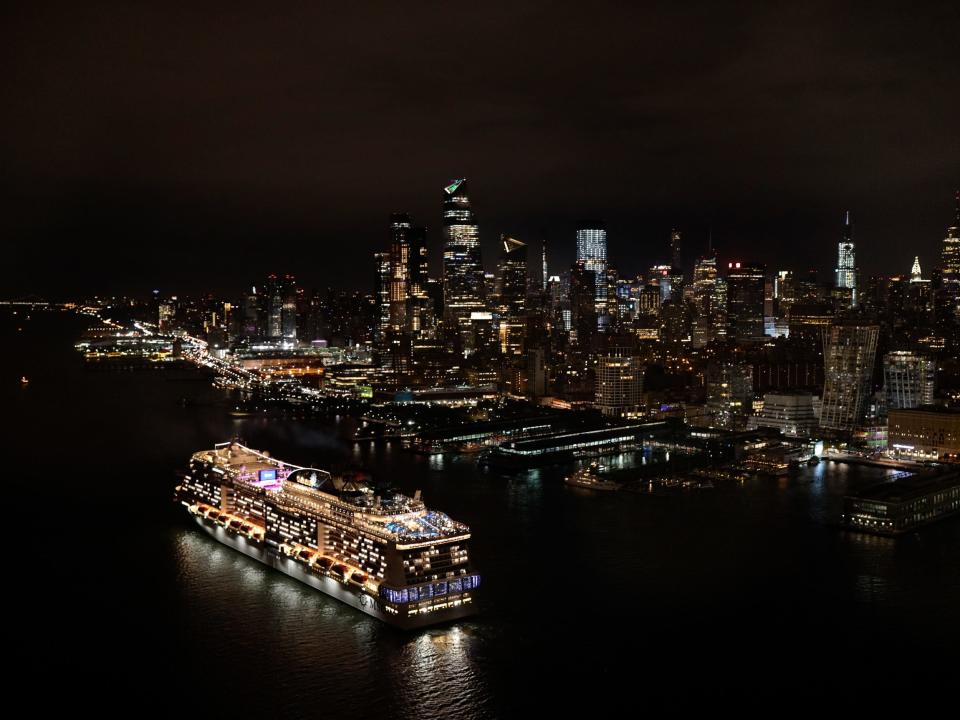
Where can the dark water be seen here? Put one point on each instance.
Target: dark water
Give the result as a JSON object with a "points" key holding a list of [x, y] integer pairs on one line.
{"points": [[740, 597]]}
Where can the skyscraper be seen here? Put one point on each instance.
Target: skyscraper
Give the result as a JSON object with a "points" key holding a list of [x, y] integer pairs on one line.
{"points": [[512, 276], [849, 351], [846, 272], [950, 257], [909, 379], [675, 248], [463, 280], [619, 383], [704, 284], [729, 392], [583, 304], [400, 225], [916, 275], [592, 252], [512, 295], [281, 307], [746, 293]]}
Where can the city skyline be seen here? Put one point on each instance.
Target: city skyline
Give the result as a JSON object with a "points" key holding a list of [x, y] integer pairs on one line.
{"points": [[179, 157]]}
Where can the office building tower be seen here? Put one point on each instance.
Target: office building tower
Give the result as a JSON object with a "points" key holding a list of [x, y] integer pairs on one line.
{"points": [[729, 386], [463, 277], [849, 352], [675, 249], [511, 293], [281, 307], [592, 252], [950, 256], [704, 285], [846, 272], [583, 305], [746, 293], [619, 383], [909, 379], [382, 298], [546, 276]]}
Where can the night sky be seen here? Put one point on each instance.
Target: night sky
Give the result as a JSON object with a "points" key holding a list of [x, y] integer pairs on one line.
{"points": [[199, 148]]}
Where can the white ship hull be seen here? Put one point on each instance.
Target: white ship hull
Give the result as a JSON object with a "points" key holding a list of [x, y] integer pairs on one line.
{"points": [[353, 596]]}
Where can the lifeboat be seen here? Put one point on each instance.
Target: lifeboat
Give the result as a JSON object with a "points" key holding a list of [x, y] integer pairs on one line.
{"points": [[359, 578], [340, 569]]}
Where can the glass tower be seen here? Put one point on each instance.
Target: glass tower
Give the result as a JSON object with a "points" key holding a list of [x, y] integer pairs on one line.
{"points": [[950, 258], [592, 252], [848, 355], [847, 261], [463, 280]]}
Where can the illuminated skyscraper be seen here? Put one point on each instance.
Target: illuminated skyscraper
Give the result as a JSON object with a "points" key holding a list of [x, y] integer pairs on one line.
{"points": [[400, 226], [849, 351], [950, 258], [512, 295], [583, 305], [846, 261], [675, 248], [382, 294], [746, 292], [592, 252], [909, 379], [281, 307], [916, 275], [619, 383], [463, 280], [704, 285]]}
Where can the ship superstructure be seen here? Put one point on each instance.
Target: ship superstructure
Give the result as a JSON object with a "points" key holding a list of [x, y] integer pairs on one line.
{"points": [[389, 556]]}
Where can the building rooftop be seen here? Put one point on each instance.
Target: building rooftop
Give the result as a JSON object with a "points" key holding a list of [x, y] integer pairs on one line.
{"points": [[910, 487]]}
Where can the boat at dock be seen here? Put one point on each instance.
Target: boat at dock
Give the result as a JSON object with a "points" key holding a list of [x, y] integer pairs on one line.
{"points": [[590, 479]]}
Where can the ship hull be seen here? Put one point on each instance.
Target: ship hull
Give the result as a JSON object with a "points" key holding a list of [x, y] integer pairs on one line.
{"points": [[345, 593]]}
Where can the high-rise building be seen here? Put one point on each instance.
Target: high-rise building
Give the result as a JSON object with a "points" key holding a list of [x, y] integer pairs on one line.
{"points": [[729, 387], [511, 284], [592, 252], [675, 249], [546, 276], [950, 256], [400, 225], [619, 383], [746, 293], [846, 272], [909, 379], [916, 275], [704, 285], [382, 297], [463, 277], [583, 305], [849, 351], [281, 307]]}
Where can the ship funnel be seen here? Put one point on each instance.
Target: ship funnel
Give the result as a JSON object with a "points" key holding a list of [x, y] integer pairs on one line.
{"points": [[416, 495]]}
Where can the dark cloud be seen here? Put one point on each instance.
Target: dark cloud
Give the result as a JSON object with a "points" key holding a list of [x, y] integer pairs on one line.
{"points": [[145, 145]]}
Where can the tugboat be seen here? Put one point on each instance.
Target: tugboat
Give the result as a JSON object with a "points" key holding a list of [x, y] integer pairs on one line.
{"points": [[587, 478]]}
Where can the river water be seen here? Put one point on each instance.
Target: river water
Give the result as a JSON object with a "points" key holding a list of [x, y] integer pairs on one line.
{"points": [[743, 596]]}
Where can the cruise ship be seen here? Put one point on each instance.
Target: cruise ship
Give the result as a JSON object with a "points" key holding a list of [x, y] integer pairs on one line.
{"points": [[388, 556]]}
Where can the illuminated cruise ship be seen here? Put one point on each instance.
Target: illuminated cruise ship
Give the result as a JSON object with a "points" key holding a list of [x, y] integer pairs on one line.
{"points": [[389, 556]]}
